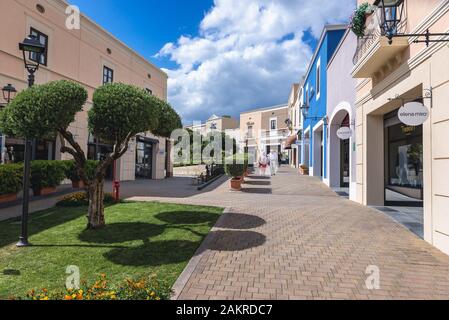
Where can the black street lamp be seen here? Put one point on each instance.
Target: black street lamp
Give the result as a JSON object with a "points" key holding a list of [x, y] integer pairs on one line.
{"points": [[391, 15], [8, 92], [32, 50]]}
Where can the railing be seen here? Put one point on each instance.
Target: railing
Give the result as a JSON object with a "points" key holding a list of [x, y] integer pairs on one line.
{"points": [[372, 34]]}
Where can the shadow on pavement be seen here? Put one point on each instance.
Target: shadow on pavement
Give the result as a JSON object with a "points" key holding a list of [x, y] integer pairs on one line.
{"points": [[240, 221], [235, 240], [257, 190], [258, 183]]}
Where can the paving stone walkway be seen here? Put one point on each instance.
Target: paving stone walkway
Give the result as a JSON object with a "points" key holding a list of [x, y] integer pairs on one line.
{"points": [[291, 237]]}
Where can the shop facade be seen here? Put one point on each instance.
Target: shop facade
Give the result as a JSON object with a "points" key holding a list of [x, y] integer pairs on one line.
{"points": [[399, 164], [341, 114], [314, 106]]}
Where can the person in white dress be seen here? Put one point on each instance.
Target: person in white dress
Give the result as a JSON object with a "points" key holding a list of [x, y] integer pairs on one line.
{"points": [[273, 157]]}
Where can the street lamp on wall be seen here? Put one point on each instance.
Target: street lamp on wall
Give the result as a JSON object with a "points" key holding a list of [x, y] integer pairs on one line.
{"points": [[32, 50], [391, 15], [9, 92]]}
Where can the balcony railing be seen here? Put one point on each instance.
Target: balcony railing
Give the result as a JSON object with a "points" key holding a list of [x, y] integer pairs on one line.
{"points": [[373, 35]]}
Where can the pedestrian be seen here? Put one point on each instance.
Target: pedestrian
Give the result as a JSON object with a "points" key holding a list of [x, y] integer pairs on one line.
{"points": [[263, 164], [273, 162]]}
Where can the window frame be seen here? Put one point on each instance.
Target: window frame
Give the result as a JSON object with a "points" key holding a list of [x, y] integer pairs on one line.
{"points": [[108, 72], [38, 34], [275, 120]]}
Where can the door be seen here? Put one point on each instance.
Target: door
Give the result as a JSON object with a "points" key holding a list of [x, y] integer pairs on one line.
{"points": [[144, 160], [344, 164]]}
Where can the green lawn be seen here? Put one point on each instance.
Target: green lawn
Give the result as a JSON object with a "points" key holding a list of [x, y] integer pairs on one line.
{"points": [[140, 239]]}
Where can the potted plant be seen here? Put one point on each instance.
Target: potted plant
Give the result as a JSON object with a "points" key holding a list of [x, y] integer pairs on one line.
{"points": [[235, 168], [358, 19], [46, 176], [304, 170], [10, 182]]}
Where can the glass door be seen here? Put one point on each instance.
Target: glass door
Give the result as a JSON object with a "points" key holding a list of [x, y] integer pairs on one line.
{"points": [[144, 160]]}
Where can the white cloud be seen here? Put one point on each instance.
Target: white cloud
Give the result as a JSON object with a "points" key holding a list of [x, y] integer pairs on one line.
{"points": [[247, 54]]}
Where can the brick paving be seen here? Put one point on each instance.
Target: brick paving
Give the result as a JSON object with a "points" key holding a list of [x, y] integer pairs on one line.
{"points": [[291, 237]]}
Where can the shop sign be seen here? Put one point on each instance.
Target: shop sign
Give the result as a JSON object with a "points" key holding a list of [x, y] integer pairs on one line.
{"points": [[344, 133], [413, 114]]}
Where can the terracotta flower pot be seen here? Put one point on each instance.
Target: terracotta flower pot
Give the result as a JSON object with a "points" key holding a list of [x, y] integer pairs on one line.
{"points": [[8, 197], [236, 184], [78, 184], [44, 191]]}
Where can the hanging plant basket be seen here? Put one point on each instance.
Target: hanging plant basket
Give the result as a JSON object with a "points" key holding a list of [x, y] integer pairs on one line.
{"points": [[358, 19]]}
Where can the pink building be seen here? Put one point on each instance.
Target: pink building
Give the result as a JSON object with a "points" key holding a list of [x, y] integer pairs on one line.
{"points": [[90, 56]]}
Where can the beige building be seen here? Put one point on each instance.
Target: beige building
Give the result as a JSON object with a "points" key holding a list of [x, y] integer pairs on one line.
{"points": [[294, 123], [90, 56], [399, 164], [263, 130], [215, 123]]}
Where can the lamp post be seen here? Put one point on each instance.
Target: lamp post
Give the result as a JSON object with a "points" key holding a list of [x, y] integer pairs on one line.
{"points": [[8, 92], [391, 15], [32, 50]]}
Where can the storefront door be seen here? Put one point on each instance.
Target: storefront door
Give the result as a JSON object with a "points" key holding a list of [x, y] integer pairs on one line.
{"points": [[404, 163], [344, 163], [144, 160]]}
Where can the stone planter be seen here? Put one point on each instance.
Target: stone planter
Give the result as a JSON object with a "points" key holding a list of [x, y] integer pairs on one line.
{"points": [[78, 185], [236, 184], [44, 191], [304, 171], [8, 197]]}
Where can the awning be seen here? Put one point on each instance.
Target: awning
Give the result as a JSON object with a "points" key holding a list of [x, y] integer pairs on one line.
{"points": [[290, 140]]}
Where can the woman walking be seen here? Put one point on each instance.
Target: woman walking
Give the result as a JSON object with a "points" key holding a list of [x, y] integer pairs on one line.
{"points": [[263, 164]]}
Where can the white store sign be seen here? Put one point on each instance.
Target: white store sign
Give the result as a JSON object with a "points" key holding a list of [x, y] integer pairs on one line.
{"points": [[413, 114], [344, 133]]}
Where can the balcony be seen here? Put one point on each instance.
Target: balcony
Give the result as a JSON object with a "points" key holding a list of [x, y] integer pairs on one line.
{"points": [[274, 135], [374, 51]]}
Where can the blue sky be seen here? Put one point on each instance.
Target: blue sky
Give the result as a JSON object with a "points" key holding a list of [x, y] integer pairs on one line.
{"points": [[148, 29], [222, 56]]}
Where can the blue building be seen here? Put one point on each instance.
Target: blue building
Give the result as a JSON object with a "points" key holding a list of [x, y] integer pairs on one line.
{"points": [[313, 105]]}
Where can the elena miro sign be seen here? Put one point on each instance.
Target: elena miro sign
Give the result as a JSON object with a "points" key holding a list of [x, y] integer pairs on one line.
{"points": [[413, 114], [344, 133]]}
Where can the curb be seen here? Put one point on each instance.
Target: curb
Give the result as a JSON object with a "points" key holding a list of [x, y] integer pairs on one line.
{"points": [[181, 282]]}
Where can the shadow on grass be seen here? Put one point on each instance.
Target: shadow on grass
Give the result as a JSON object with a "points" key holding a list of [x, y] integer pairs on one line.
{"points": [[38, 222], [188, 217], [122, 232], [155, 253]]}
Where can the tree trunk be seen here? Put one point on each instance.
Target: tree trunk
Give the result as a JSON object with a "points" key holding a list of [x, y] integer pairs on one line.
{"points": [[95, 217]]}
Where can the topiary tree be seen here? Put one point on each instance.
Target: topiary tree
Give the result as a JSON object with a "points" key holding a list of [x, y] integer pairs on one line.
{"points": [[119, 112]]}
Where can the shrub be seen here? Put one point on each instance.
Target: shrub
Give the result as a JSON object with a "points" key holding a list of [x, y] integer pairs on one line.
{"points": [[235, 166], [144, 288], [11, 176], [47, 174], [358, 19], [81, 199], [71, 171]]}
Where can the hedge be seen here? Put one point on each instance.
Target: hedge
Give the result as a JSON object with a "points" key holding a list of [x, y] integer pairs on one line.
{"points": [[47, 174], [10, 178]]}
